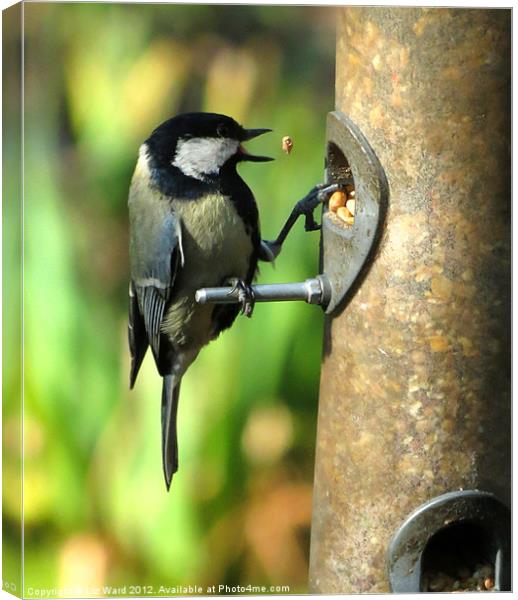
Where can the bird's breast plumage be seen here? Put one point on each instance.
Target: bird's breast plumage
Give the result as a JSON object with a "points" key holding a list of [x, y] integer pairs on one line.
{"points": [[216, 247], [215, 242]]}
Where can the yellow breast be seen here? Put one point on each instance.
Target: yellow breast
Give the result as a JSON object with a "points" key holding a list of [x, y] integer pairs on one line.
{"points": [[215, 242], [216, 247]]}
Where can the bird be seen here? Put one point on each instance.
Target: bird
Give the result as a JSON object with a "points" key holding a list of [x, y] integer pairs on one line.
{"points": [[194, 223]]}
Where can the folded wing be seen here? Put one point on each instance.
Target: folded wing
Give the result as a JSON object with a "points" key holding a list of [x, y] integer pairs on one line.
{"points": [[155, 252]]}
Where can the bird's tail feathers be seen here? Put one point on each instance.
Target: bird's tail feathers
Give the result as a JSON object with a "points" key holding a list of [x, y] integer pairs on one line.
{"points": [[170, 394]]}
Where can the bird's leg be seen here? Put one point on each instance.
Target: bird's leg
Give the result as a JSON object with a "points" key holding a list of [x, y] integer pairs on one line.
{"points": [[245, 295], [270, 249]]}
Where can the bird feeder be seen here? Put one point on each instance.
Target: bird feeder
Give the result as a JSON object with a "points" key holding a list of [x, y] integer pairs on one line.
{"points": [[413, 443]]}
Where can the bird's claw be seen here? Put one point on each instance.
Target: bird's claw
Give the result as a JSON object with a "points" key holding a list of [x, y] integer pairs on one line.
{"points": [[310, 223], [319, 194], [245, 295], [316, 196]]}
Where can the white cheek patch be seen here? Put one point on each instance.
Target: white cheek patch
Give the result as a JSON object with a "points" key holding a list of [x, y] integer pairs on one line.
{"points": [[199, 157]]}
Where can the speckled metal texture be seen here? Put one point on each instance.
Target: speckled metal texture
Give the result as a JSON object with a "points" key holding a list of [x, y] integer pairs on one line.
{"points": [[415, 384]]}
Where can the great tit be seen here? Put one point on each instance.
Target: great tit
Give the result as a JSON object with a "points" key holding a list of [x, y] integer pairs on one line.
{"points": [[193, 223]]}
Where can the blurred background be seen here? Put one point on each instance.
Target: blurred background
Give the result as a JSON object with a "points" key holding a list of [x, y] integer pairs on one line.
{"points": [[98, 79]]}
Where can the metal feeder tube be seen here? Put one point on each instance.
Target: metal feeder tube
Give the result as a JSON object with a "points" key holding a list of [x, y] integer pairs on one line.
{"points": [[415, 380]]}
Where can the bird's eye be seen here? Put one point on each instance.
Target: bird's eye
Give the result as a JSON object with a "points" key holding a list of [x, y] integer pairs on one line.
{"points": [[223, 130]]}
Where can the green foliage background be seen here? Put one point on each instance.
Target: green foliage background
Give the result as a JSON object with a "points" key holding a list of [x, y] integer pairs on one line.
{"points": [[98, 79]]}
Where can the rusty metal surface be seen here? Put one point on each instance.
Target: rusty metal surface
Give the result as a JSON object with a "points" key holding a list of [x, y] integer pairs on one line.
{"points": [[415, 386]]}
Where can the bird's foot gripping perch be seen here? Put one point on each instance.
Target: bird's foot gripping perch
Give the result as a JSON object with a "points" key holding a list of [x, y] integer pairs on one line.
{"points": [[313, 291], [245, 295]]}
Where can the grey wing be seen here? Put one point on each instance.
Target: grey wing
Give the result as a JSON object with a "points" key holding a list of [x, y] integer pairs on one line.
{"points": [[137, 336], [155, 252]]}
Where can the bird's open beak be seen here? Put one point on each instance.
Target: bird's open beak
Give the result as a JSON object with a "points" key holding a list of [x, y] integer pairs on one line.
{"points": [[248, 135]]}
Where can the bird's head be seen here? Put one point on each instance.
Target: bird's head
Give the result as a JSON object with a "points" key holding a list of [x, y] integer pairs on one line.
{"points": [[200, 144]]}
